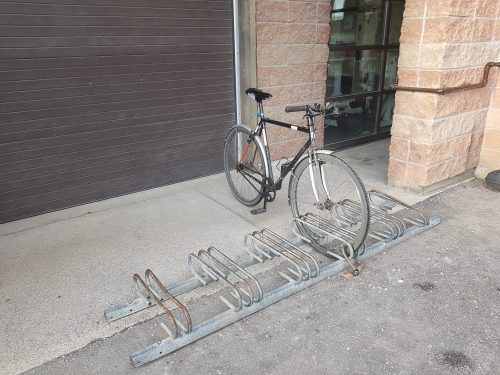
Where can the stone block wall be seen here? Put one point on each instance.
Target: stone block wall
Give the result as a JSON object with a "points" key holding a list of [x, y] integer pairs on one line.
{"points": [[292, 54], [443, 43]]}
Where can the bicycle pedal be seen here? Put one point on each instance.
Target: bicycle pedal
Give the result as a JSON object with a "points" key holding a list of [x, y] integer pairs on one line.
{"points": [[257, 211]]}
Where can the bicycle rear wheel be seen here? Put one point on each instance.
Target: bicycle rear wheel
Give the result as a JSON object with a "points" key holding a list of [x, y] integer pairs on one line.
{"points": [[341, 201], [244, 165]]}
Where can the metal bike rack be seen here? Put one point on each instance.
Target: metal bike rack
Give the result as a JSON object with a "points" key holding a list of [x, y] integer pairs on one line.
{"points": [[242, 291], [389, 219], [156, 291], [266, 244]]}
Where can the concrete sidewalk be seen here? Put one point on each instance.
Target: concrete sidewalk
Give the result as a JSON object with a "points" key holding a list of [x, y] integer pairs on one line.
{"points": [[59, 271], [430, 305]]}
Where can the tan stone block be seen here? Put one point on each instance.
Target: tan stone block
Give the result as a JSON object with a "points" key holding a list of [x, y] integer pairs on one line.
{"points": [[414, 8], [476, 141], [302, 54], [321, 53], [403, 103], [461, 8], [461, 145], [402, 126], [492, 139], [396, 169], [457, 166], [489, 159], [437, 172], [493, 119], [299, 74], [416, 174], [276, 134], [320, 72], [453, 126], [438, 8], [495, 98], [455, 56], [486, 8], [459, 77], [420, 153], [322, 34], [278, 150], [272, 33], [451, 104], [293, 146], [477, 99], [270, 55], [479, 120], [408, 56], [472, 160], [411, 30], [324, 11], [271, 11], [436, 30], [430, 78], [407, 77], [294, 94], [478, 54], [278, 113], [496, 35], [302, 12], [271, 76], [432, 56], [460, 29], [483, 29], [422, 130], [301, 33], [425, 105], [450, 77], [296, 136], [399, 148], [280, 96], [429, 154]]}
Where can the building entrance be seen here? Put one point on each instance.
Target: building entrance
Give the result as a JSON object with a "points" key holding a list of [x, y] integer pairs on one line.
{"points": [[364, 50]]}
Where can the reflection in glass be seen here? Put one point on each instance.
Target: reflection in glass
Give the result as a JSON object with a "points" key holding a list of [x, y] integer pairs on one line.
{"points": [[397, 8], [391, 67], [353, 71], [356, 22], [357, 75], [357, 119], [386, 110]]}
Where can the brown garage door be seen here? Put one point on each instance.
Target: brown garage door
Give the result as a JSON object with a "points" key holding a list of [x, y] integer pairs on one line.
{"points": [[106, 97]]}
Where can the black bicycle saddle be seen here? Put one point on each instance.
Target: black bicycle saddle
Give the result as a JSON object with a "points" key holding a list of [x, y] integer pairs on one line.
{"points": [[257, 94]]}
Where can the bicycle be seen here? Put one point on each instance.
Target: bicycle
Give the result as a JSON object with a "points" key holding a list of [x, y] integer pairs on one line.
{"points": [[320, 182]]}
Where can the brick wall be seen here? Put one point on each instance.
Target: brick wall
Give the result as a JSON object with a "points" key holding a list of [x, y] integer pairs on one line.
{"points": [[443, 43], [292, 55]]}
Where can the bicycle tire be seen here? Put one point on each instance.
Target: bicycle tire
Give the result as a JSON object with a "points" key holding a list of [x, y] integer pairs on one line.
{"points": [[300, 184], [243, 187]]}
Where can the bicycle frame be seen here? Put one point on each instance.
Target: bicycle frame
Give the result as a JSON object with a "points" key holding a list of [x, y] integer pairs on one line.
{"points": [[271, 186]]}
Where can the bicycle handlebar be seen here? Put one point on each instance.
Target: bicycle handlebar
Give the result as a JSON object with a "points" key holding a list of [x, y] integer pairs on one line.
{"points": [[314, 110], [296, 108]]}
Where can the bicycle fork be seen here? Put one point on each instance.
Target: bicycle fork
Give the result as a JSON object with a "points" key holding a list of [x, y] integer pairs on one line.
{"points": [[314, 161]]}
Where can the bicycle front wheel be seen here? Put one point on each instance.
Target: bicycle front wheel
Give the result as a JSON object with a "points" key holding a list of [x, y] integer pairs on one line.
{"points": [[244, 165], [331, 195]]}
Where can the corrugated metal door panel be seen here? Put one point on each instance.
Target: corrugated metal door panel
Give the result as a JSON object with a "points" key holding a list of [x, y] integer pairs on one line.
{"points": [[106, 97]]}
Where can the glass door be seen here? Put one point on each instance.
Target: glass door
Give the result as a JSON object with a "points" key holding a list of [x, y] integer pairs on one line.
{"points": [[364, 50]]}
